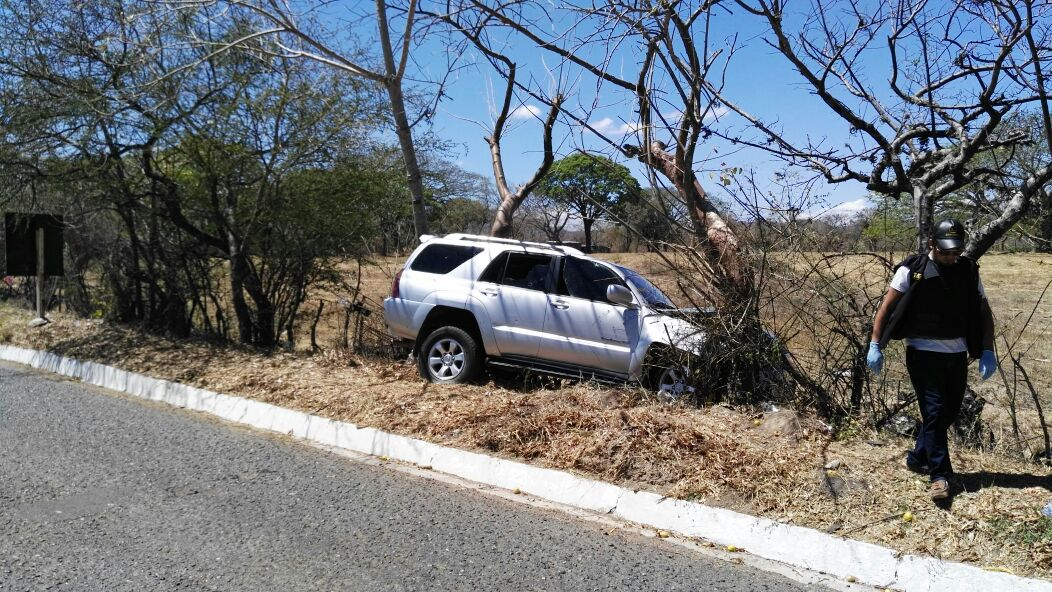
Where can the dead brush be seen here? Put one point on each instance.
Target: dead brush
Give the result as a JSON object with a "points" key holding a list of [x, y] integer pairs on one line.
{"points": [[688, 451], [341, 357]]}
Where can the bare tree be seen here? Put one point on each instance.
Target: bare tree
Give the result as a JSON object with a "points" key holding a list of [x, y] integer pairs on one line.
{"points": [[988, 200], [663, 41], [294, 35], [473, 27], [547, 215], [956, 71], [511, 200], [658, 57]]}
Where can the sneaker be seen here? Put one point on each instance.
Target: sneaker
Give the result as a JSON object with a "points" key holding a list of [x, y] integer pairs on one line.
{"points": [[915, 466], [940, 489]]}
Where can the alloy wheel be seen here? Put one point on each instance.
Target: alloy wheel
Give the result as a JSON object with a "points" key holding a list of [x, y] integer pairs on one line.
{"points": [[445, 359], [674, 383]]}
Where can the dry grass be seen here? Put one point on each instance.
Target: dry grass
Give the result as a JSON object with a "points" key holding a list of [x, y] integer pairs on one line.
{"points": [[716, 455]]}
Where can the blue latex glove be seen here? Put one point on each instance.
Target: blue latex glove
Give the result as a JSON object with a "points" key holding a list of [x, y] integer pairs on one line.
{"points": [[987, 364], [874, 359]]}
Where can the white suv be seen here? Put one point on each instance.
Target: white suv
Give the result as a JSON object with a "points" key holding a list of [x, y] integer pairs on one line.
{"points": [[466, 300]]}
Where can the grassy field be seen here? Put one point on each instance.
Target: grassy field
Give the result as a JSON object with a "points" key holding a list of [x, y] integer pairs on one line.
{"points": [[1017, 286]]}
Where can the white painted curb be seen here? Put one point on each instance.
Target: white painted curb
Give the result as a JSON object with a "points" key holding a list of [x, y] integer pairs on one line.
{"points": [[793, 545]]}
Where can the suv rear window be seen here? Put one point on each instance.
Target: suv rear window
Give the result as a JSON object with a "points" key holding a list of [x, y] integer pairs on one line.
{"points": [[443, 258]]}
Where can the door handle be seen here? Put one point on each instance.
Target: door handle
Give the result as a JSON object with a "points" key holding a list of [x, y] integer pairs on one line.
{"points": [[489, 292], [560, 304]]}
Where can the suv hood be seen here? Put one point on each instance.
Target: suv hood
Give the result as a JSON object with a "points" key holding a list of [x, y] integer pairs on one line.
{"points": [[677, 328]]}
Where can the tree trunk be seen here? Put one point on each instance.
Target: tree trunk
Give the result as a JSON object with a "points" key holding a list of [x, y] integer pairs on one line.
{"points": [[984, 237], [552, 231], [588, 222], [393, 76], [264, 333], [723, 246], [858, 377], [626, 241], [412, 166], [922, 211], [237, 295], [1046, 223], [256, 329], [131, 305], [509, 202]]}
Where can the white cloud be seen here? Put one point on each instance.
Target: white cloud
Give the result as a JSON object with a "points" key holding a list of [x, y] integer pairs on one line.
{"points": [[612, 127], [604, 125], [526, 112], [714, 114], [609, 126]]}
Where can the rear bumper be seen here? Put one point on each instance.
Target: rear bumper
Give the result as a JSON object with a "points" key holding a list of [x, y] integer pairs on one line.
{"points": [[402, 317]]}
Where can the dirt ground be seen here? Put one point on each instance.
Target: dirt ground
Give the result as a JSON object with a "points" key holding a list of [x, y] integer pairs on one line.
{"points": [[774, 464]]}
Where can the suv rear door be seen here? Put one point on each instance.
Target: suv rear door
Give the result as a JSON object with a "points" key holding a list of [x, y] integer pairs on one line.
{"points": [[513, 290], [582, 327]]}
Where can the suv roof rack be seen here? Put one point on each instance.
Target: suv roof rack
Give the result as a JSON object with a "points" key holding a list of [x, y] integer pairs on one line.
{"points": [[510, 241]]}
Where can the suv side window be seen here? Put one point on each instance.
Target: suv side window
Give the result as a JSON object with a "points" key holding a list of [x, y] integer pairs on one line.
{"points": [[495, 270], [520, 270], [442, 259], [586, 279]]}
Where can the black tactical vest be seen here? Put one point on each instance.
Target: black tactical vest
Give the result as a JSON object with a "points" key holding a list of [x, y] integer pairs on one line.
{"points": [[941, 307]]}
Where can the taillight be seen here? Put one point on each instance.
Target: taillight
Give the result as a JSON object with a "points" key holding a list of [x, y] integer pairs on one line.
{"points": [[394, 284]]}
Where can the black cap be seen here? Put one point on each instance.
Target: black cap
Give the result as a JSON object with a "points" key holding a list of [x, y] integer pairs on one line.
{"points": [[949, 235]]}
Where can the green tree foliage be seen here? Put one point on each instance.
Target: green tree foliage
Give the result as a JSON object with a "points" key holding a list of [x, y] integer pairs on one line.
{"points": [[458, 200], [890, 225], [657, 216], [462, 214], [211, 181], [593, 187]]}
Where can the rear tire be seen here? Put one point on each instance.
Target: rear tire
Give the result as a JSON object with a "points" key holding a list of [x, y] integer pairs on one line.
{"points": [[449, 355]]}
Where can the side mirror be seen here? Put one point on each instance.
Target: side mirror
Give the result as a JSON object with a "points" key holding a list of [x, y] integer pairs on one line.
{"points": [[620, 295]]}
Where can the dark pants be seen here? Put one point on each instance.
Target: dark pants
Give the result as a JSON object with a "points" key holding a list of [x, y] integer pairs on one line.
{"points": [[939, 380]]}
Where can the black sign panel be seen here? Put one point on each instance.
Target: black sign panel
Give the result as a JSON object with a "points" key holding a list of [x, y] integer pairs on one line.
{"points": [[21, 241]]}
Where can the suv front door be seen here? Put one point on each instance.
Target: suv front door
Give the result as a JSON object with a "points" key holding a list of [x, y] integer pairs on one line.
{"points": [[513, 291], [582, 327]]}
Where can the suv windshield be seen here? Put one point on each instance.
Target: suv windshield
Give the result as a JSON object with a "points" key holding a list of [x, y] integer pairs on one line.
{"points": [[651, 294]]}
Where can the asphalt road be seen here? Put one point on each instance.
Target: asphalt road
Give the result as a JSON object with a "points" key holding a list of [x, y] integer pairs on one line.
{"points": [[99, 491]]}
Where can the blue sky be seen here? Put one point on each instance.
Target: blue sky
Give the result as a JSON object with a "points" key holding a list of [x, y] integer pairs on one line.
{"points": [[759, 78]]}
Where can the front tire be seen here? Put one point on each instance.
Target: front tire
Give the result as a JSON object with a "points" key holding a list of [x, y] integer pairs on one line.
{"points": [[671, 377], [449, 355]]}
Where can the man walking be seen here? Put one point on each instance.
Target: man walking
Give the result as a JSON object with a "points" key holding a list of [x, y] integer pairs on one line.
{"points": [[936, 302]]}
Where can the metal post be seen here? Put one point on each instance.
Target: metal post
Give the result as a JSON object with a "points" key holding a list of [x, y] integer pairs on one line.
{"points": [[40, 272], [41, 319]]}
